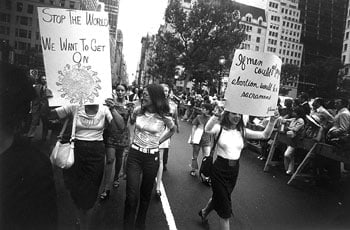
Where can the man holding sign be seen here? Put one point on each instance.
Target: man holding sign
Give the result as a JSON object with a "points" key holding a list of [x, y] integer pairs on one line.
{"points": [[254, 81]]}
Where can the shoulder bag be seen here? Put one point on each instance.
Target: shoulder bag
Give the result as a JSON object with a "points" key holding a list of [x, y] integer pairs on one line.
{"points": [[63, 153]]}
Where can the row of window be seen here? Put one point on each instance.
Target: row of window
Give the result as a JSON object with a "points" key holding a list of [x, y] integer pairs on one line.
{"points": [[273, 34], [289, 38], [273, 5], [291, 12], [272, 41], [291, 19], [23, 20], [275, 18], [287, 24], [271, 49], [290, 53], [274, 27], [5, 30], [290, 46], [5, 18], [290, 61], [290, 33]]}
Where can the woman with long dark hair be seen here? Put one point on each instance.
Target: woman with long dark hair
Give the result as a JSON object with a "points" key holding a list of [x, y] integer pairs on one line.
{"points": [[226, 166], [150, 120]]}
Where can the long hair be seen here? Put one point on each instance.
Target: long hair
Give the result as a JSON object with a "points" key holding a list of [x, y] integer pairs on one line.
{"points": [[157, 96], [225, 122]]}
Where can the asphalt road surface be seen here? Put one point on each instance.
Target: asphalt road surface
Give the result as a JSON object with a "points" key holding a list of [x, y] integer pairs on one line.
{"points": [[260, 200]]}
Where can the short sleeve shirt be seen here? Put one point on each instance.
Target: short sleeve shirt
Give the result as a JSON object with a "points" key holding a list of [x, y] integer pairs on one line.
{"points": [[88, 127], [149, 128]]}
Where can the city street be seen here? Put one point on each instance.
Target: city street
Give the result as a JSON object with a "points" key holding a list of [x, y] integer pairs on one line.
{"points": [[260, 200]]}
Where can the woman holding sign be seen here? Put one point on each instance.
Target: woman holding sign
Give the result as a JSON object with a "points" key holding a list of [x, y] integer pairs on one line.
{"points": [[83, 179], [226, 166]]}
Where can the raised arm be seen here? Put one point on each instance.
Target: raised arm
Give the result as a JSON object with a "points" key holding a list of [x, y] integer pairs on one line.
{"points": [[117, 118], [251, 134]]}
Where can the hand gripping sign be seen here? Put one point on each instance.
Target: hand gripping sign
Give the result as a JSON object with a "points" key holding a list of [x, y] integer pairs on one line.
{"points": [[253, 84], [76, 53]]}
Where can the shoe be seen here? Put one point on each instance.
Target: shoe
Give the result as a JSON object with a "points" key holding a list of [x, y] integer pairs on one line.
{"points": [[193, 173], [289, 172], [203, 219], [158, 194], [116, 183], [105, 195]]}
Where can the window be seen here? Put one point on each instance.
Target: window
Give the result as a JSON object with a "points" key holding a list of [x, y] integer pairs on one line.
{"points": [[71, 5], [63, 2], [19, 6], [42, 1], [30, 9], [257, 39], [248, 19], [347, 35], [345, 47], [4, 18], [8, 5], [343, 58], [26, 21], [256, 48], [52, 2], [348, 25], [259, 30], [4, 30]]}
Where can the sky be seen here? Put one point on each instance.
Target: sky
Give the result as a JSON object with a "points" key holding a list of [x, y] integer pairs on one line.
{"points": [[139, 17], [136, 19]]}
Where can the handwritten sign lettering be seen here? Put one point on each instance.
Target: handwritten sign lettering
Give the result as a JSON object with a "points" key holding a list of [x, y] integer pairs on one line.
{"points": [[76, 53], [253, 84]]}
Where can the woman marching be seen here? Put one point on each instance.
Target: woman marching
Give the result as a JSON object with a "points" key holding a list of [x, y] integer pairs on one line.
{"points": [[164, 147], [150, 123], [83, 179], [226, 166], [116, 140]]}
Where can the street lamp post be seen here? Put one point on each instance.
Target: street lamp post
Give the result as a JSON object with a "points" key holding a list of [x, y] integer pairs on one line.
{"points": [[222, 62]]}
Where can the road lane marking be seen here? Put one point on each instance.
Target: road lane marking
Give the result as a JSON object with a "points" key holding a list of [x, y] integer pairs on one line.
{"points": [[166, 208]]}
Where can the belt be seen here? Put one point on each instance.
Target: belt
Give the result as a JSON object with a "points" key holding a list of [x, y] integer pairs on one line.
{"points": [[145, 150]]}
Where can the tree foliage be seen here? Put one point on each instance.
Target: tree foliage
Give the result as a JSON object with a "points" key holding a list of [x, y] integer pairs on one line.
{"points": [[197, 39], [324, 74]]}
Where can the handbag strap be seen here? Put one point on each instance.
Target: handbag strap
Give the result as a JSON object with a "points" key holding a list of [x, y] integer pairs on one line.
{"points": [[216, 140], [74, 124], [63, 128]]}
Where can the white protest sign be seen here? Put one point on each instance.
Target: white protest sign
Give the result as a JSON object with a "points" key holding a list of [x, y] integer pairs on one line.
{"points": [[76, 53], [253, 84]]}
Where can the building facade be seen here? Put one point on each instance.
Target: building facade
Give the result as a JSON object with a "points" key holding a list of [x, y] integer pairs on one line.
{"points": [[323, 25], [346, 45], [19, 30]]}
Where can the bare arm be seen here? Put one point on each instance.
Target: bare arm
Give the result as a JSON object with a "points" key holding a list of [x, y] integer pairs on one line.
{"points": [[251, 134], [170, 124], [117, 118], [210, 124]]}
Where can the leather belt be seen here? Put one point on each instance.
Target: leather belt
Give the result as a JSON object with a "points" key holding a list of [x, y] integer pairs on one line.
{"points": [[145, 150]]}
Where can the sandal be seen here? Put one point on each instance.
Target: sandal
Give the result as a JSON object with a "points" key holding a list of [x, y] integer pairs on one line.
{"points": [[116, 183], [105, 195], [203, 219], [158, 194], [193, 173]]}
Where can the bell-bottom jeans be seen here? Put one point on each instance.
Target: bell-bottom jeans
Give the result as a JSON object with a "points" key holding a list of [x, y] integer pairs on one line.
{"points": [[139, 163]]}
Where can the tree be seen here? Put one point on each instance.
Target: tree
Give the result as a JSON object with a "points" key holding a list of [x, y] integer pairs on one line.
{"points": [[197, 39], [324, 74], [289, 74]]}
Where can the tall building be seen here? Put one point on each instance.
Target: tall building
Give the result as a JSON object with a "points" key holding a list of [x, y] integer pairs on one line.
{"points": [[19, 30], [323, 25], [275, 29], [254, 21], [346, 45], [147, 43], [112, 7]]}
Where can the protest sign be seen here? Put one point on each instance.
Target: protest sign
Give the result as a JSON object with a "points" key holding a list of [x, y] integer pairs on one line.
{"points": [[253, 84], [76, 54]]}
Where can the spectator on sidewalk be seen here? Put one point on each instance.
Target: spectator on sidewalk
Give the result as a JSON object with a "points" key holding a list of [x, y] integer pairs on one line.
{"points": [[40, 108], [304, 103], [28, 195], [322, 115]]}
